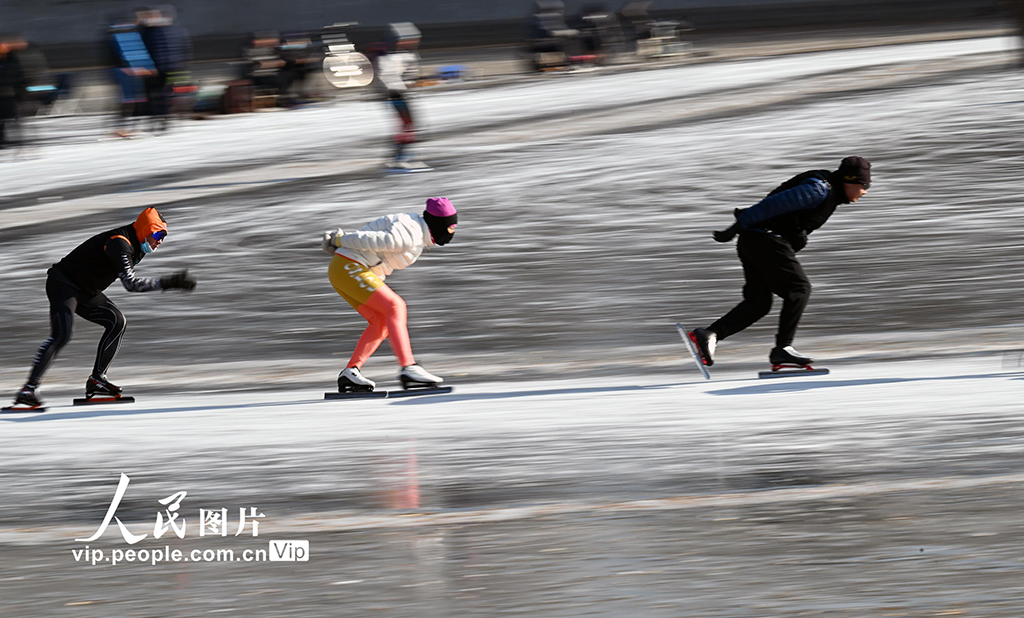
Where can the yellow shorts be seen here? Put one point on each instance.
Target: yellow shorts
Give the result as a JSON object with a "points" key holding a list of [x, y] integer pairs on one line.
{"points": [[353, 281]]}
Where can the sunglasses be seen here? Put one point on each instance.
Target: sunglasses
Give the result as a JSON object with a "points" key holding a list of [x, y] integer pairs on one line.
{"points": [[159, 234]]}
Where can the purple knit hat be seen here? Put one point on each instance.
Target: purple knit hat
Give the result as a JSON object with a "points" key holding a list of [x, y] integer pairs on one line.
{"points": [[440, 207]]}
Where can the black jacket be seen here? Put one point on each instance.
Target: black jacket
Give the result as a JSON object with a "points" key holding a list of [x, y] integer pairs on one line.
{"points": [[96, 263], [795, 226]]}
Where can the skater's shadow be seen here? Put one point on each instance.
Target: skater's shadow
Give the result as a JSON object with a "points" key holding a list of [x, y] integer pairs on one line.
{"points": [[525, 393], [124, 410], [782, 385]]}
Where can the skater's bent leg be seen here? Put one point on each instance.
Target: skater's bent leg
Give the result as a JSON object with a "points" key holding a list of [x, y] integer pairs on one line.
{"points": [[60, 334], [397, 101], [62, 309], [756, 303], [391, 305], [407, 134], [101, 310], [380, 305], [376, 332], [757, 296], [794, 301], [790, 282]]}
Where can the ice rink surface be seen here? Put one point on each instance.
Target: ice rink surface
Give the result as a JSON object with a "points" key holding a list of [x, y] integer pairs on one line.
{"points": [[581, 467]]}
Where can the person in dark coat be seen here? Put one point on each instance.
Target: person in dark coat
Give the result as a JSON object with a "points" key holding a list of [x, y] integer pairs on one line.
{"points": [[171, 49], [771, 233], [12, 85]]}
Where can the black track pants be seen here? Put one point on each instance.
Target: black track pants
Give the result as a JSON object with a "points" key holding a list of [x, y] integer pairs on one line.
{"points": [[770, 268], [65, 301]]}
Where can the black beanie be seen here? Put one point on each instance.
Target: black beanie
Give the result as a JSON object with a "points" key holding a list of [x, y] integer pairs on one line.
{"points": [[856, 170]]}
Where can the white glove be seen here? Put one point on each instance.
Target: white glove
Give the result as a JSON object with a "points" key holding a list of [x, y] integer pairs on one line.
{"points": [[329, 241]]}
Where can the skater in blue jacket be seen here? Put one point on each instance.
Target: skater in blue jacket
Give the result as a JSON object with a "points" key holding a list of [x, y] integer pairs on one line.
{"points": [[771, 233]]}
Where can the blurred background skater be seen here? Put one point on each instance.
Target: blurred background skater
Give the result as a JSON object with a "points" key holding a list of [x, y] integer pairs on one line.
{"points": [[771, 233], [301, 57], [549, 36], [12, 86], [170, 48], [397, 67], [261, 69], [130, 65], [361, 260], [600, 34], [75, 285]]}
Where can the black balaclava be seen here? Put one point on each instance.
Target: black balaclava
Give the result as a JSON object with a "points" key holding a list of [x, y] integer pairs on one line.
{"points": [[440, 215], [439, 227]]}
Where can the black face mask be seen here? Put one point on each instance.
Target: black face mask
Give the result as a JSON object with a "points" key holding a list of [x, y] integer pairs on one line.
{"points": [[439, 227]]}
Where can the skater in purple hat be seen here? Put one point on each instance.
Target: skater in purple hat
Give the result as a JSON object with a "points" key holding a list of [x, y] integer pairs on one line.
{"points": [[360, 262]]}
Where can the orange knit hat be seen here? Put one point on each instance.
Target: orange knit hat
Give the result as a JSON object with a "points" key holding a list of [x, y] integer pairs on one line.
{"points": [[149, 221]]}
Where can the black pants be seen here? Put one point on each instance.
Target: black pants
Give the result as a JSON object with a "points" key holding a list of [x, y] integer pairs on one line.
{"points": [[159, 104], [66, 300], [770, 268]]}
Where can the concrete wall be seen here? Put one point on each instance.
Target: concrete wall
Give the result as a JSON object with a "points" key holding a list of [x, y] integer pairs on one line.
{"points": [[68, 21], [68, 29]]}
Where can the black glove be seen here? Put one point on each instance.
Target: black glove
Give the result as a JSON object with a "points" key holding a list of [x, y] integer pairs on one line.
{"points": [[730, 233], [179, 280], [727, 235]]}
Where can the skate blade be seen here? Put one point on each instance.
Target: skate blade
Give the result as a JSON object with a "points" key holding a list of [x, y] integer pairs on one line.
{"points": [[390, 394], [92, 401], [403, 170], [419, 386], [21, 408], [691, 345], [355, 389], [785, 371]]}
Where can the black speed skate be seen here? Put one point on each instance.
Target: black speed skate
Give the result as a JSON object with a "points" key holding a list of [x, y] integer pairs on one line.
{"points": [[786, 361], [101, 387], [26, 401], [99, 390], [691, 344], [706, 341], [788, 356]]}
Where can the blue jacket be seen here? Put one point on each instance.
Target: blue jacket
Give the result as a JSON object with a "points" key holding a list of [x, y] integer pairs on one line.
{"points": [[795, 208], [807, 195], [130, 50]]}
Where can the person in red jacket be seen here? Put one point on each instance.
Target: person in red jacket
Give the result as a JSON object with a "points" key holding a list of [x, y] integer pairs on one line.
{"points": [[75, 285]]}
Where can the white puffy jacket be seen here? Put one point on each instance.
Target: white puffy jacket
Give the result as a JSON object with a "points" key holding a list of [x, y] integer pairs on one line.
{"points": [[388, 244], [397, 70]]}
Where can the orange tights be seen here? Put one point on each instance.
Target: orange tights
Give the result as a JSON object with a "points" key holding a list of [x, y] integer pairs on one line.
{"points": [[386, 312]]}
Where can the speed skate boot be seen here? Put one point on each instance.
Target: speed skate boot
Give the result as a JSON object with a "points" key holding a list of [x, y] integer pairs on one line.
{"points": [[705, 340], [414, 376], [99, 386], [26, 399], [351, 380], [788, 356]]}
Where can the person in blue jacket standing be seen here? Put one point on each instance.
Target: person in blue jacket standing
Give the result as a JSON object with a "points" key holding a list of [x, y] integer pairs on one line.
{"points": [[130, 64], [771, 233]]}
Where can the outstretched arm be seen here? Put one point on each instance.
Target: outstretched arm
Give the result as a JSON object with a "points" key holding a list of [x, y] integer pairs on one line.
{"points": [[120, 251]]}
